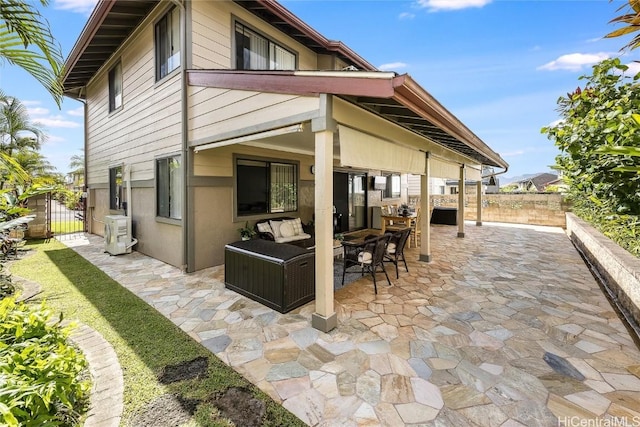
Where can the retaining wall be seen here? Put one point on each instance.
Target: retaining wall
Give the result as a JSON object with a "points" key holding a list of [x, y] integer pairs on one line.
{"points": [[619, 269]]}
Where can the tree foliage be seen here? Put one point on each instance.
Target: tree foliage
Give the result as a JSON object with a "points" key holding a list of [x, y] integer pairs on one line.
{"points": [[26, 41], [597, 117], [631, 23], [599, 138]]}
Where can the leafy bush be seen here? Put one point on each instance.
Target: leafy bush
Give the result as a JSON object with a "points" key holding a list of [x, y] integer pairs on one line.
{"points": [[40, 372], [6, 283]]}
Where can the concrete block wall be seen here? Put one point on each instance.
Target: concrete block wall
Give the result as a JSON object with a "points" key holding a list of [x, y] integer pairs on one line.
{"points": [[527, 208]]}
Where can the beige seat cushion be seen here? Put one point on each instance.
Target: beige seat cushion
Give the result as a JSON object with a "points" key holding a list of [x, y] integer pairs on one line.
{"points": [[365, 257]]}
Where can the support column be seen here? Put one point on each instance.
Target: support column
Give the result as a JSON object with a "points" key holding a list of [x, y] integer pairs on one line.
{"points": [[425, 212], [461, 191], [325, 318], [479, 202]]}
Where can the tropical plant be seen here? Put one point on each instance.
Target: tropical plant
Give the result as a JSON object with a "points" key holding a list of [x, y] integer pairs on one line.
{"points": [[599, 139], [76, 163], [26, 41], [17, 131], [595, 119], [631, 20], [246, 232], [22, 186], [41, 374]]}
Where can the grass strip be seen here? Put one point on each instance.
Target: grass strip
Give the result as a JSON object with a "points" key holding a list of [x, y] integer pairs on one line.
{"points": [[144, 340]]}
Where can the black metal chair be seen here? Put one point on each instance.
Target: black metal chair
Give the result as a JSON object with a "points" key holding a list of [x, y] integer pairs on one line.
{"points": [[395, 248], [368, 255]]}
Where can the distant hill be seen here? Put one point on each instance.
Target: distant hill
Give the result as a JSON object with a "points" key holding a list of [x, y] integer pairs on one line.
{"points": [[505, 180]]}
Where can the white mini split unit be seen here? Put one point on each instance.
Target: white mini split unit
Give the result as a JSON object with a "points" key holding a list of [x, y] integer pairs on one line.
{"points": [[117, 235]]}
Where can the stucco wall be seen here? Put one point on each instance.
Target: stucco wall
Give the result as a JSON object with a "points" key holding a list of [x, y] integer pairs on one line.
{"points": [[528, 208]]}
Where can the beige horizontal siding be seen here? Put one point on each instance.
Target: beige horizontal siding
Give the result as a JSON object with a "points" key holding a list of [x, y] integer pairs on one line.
{"points": [[147, 125], [215, 112], [212, 32], [218, 162]]}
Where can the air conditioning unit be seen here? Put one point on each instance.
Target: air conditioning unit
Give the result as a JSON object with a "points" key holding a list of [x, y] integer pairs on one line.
{"points": [[117, 238]]}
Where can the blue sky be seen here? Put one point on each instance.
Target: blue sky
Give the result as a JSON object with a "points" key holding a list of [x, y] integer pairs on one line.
{"points": [[499, 66]]}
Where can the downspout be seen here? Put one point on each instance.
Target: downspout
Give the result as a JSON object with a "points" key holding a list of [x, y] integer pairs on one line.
{"points": [[88, 211], [129, 210], [185, 137]]}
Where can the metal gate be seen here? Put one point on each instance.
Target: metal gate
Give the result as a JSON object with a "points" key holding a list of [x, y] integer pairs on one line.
{"points": [[54, 218]]}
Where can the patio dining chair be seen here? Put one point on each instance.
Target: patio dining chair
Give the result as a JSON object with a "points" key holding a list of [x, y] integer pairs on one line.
{"points": [[415, 228], [395, 248], [368, 255]]}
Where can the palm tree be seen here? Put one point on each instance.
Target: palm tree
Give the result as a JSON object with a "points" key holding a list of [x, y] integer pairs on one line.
{"points": [[631, 21], [76, 163], [36, 165], [17, 132], [26, 41]]}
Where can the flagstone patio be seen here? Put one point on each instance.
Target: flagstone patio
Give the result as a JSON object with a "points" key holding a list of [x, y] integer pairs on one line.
{"points": [[505, 327]]}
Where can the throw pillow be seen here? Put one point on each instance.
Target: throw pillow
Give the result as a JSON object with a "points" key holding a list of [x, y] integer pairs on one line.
{"points": [[275, 226], [264, 227], [286, 229], [296, 224]]}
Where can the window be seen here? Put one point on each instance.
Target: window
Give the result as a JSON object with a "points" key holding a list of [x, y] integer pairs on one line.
{"points": [[266, 187], [115, 87], [254, 52], [392, 191], [169, 187], [167, 37], [115, 188]]}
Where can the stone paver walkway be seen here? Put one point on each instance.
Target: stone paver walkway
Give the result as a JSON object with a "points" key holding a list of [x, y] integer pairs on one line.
{"points": [[505, 327]]}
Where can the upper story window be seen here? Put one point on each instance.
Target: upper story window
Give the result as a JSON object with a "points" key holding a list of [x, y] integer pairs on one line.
{"points": [[167, 38], [255, 52], [115, 87]]}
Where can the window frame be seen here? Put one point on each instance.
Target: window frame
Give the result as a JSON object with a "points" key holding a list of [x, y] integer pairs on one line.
{"points": [[113, 75], [268, 212], [157, 45], [166, 216], [270, 42], [115, 193], [388, 193]]}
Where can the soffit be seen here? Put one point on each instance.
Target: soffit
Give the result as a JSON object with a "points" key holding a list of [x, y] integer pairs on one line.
{"points": [[108, 27]]}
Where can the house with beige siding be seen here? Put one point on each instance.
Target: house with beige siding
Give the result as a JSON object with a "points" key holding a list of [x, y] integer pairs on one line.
{"points": [[202, 116]]}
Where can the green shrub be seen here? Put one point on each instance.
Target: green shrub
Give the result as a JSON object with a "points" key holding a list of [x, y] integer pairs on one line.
{"points": [[40, 372]]}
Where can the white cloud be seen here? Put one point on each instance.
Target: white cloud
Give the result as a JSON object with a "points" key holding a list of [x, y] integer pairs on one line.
{"points": [[57, 122], [37, 111], [78, 6], [574, 61], [634, 68], [391, 66], [438, 5], [55, 139], [513, 153], [406, 15], [76, 112]]}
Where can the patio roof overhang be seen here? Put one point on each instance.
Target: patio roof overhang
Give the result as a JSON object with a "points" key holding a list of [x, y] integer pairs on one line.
{"points": [[396, 98]]}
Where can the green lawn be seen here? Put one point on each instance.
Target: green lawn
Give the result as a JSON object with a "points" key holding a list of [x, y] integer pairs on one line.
{"points": [[144, 340], [69, 226]]}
